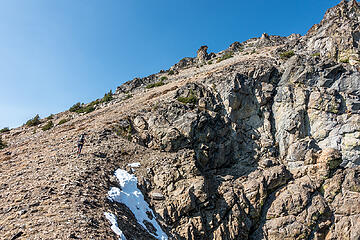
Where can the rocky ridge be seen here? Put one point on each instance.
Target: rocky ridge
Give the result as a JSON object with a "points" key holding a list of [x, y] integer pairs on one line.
{"points": [[259, 141]]}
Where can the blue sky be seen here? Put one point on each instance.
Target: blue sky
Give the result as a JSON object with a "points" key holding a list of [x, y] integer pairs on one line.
{"points": [[54, 53]]}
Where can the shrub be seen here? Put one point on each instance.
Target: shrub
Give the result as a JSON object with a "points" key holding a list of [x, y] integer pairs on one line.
{"points": [[48, 126], [156, 106], [213, 86], [344, 60], [124, 131], [4, 130], [171, 72], [76, 107], [128, 96], [62, 121], [34, 121], [107, 97], [87, 109], [189, 99], [51, 116], [210, 62], [80, 108], [157, 84], [287, 55], [227, 55], [163, 78], [317, 54], [2, 144]]}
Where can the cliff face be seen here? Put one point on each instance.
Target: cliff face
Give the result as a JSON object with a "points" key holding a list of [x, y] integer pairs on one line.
{"points": [[260, 141]]}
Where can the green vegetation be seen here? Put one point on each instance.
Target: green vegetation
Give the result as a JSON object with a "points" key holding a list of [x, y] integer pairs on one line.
{"points": [[210, 62], [163, 78], [157, 84], [213, 86], [81, 108], [287, 54], [51, 116], [128, 96], [107, 97], [334, 163], [34, 121], [355, 188], [48, 126], [344, 60], [156, 106], [317, 54], [171, 72], [2, 144], [227, 55], [190, 99], [125, 132], [76, 107], [4, 130], [62, 121], [88, 108]]}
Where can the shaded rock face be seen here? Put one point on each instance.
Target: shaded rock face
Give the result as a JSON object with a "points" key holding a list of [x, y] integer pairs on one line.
{"points": [[227, 122], [260, 142], [263, 147]]}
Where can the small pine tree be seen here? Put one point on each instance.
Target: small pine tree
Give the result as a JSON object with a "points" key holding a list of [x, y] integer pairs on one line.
{"points": [[48, 126], [34, 121], [108, 96], [76, 107], [4, 130]]}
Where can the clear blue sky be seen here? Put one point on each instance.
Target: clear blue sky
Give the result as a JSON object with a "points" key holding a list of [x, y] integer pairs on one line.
{"points": [[54, 53]]}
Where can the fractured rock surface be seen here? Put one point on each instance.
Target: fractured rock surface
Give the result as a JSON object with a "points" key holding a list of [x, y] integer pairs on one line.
{"points": [[262, 143]]}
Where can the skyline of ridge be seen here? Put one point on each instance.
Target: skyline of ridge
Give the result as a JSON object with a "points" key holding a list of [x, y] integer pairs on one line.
{"points": [[56, 54]]}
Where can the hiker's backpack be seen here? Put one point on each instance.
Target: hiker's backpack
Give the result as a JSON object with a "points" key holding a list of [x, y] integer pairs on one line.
{"points": [[81, 139]]}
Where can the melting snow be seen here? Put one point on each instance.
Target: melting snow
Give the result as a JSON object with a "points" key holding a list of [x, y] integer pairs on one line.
{"points": [[114, 225], [131, 196], [135, 165]]}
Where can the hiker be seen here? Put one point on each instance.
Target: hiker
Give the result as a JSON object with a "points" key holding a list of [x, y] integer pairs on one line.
{"points": [[81, 142]]}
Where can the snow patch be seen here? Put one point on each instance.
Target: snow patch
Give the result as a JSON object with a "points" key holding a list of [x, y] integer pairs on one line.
{"points": [[114, 225], [134, 165], [131, 196]]}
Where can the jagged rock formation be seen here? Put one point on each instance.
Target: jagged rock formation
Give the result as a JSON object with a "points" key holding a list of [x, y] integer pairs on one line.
{"points": [[202, 55], [259, 141]]}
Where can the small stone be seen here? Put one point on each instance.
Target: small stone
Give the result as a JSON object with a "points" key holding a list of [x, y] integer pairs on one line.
{"points": [[157, 196]]}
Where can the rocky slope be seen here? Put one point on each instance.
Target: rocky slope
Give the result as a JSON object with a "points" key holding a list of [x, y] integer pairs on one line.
{"points": [[259, 141]]}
